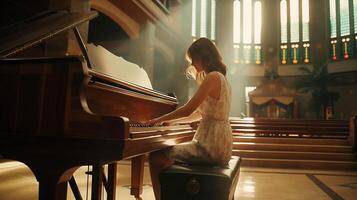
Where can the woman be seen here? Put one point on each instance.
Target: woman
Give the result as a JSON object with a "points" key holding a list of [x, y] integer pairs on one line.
{"points": [[212, 143]]}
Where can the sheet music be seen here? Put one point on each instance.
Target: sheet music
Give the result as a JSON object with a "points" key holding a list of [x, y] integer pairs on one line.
{"points": [[107, 63]]}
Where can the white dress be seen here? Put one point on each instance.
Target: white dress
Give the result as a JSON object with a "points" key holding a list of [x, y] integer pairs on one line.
{"points": [[212, 142]]}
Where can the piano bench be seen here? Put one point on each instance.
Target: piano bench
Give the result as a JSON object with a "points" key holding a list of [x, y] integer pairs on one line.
{"points": [[194, 182]]}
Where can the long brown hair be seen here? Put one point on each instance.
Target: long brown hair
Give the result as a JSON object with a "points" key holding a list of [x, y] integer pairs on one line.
{"points": [[206, 51]]}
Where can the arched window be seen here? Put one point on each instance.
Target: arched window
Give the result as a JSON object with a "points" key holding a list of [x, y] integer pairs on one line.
{"points": [[294, 32], [343, 28], [203, 19], [247, 23]]}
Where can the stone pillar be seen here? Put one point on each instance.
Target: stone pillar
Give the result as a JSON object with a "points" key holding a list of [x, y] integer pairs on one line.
{"points": [[146, 48], [319, 31], [224, 29], [270, 34], [182, 83]]}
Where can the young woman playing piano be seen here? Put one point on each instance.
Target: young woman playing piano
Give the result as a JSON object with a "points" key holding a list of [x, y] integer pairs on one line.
{"points": [[212, 143]]}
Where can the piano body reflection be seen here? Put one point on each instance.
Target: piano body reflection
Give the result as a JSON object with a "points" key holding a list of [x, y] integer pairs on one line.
{"points": [[58, 114]]}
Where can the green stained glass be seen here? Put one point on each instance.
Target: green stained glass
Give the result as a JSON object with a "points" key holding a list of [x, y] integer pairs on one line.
{"points": [[355, 14], [213, 20], [333, 29], [193, 27], [345, 17], [294, 55], [247, 21], [257, 21], [283, 21], [294, 20], [203, 27], [236, 21], [305, 20]]}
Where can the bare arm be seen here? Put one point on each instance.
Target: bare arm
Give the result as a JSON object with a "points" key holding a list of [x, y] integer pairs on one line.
{"points": [[208, 86], [195, 116]]}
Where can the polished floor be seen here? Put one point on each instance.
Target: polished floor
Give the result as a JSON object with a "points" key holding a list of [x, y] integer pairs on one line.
{"points": [[17, 183]]}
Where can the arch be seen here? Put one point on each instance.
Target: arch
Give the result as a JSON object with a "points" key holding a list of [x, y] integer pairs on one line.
{"points": [[131, 27]]}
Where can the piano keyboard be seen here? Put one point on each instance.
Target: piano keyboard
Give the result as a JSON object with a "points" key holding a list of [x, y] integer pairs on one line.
{"points": [[144, 131]]}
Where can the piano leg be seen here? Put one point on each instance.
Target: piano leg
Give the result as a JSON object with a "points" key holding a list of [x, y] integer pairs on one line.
{"points": [[97, 179], [112, 181], [49, 189], [52, 178], [137, 174]]}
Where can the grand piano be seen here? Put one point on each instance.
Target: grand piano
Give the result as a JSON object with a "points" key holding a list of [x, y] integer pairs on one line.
{"points": [[58, 113]]}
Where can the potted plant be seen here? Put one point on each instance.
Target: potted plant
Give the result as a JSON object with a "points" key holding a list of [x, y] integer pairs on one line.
{"points": [[316, 82]]}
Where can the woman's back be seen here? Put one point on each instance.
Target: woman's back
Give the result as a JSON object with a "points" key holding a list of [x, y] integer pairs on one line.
{"points": [[218, 108], [214, 133]]}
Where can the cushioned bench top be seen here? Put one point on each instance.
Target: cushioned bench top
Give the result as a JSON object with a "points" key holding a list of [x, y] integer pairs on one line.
{"points": [[228, 171]]}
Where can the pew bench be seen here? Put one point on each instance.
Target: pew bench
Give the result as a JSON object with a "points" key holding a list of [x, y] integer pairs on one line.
{"points": [[193, 182]]}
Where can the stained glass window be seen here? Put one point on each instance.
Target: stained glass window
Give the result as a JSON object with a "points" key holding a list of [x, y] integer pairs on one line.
{"points": [[343, 19], [213, 20], [333, 29], [203, 19], [283, 22], [294, 21], [305, 21], [355, 15], [193, 27], [294, 31], [247, 23]]}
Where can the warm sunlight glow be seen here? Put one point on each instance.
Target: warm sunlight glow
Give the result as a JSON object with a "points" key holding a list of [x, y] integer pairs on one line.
{"points": [[355, 14], [257, 21], [249, 187], [213, 20], [236, 22], [193, 28], [283, 21], [305, 20], [247, 21], [294, 20], [203, 18], [333, 19], [345, 18]]}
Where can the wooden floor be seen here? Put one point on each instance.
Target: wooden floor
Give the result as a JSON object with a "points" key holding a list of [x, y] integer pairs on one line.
{"points": [[17, 183]]}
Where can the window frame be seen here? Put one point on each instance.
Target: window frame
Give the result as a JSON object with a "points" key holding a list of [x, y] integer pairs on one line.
{"points": [[342, 47], [255, 54], [296, 53]]}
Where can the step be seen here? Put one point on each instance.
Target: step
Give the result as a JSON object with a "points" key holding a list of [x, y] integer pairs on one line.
{"points": [[300, 164], [341, 137], [343, 124], [310, 127], [297, 132], [291, 147], [280, 140], [294, 155]]}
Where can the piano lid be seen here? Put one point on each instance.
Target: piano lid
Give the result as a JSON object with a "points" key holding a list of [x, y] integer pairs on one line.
{"points": [[28, 34]]}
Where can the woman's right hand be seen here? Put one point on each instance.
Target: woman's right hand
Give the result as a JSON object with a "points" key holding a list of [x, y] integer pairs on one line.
{"points": [[154, 122]]}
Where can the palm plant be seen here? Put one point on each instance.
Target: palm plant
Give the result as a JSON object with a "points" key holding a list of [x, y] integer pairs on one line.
{"points": [[316, 82]]}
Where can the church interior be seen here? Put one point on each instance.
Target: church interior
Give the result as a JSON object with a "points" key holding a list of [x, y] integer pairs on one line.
{"points": [[78, 77]]}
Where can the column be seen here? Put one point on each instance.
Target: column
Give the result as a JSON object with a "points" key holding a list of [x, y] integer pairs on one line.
{"points": [[142, 49], [319, 31], [270, 33], [224, 29]]}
